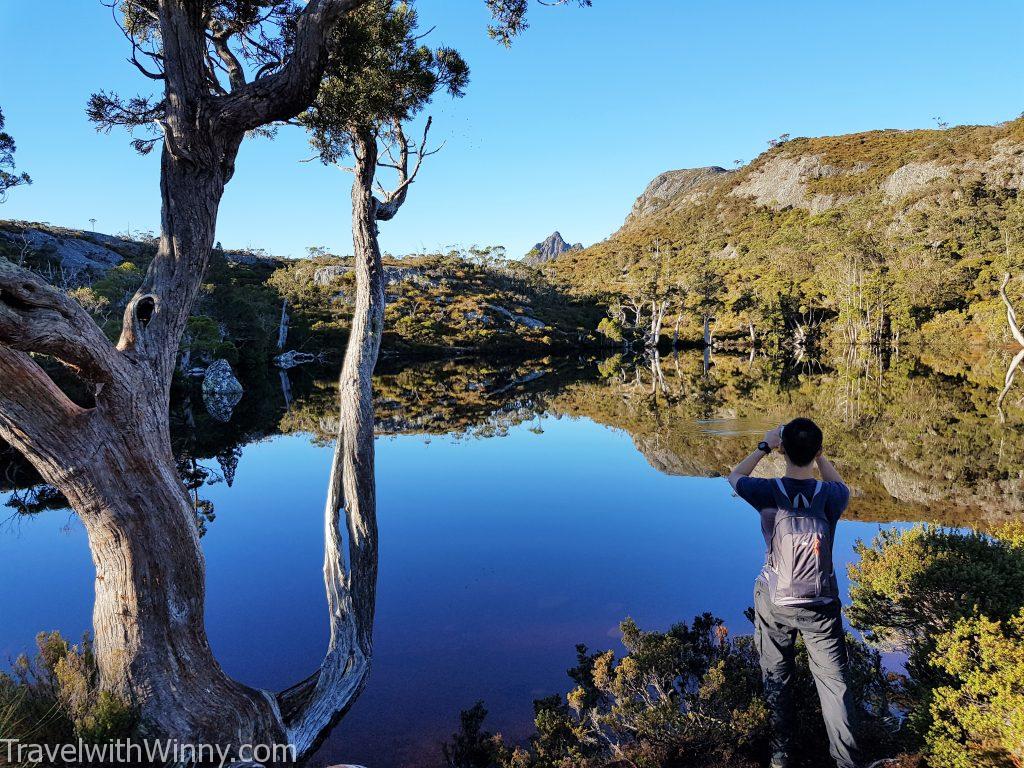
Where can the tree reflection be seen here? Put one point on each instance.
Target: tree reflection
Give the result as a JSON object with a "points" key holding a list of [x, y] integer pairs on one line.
{"points": [[919, 439]]}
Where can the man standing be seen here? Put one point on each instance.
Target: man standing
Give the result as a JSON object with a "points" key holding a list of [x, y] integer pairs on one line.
{"points": [[797, 590]]}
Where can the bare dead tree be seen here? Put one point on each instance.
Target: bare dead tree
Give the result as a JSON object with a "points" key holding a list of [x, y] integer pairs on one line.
{"points": [[282, 326], [658, 309], [1018, 335], [675, 330], [1011, 314]]}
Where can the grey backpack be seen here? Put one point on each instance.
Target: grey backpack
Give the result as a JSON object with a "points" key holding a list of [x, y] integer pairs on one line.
{"points": [[799, 567]]}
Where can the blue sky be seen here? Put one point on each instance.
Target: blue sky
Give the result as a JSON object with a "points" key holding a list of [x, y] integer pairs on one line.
{"points": [[563, 131]]}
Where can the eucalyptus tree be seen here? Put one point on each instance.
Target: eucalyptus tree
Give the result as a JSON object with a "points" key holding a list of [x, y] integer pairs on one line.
{"points": [[379, 77], [221, 70], [9, 177]]}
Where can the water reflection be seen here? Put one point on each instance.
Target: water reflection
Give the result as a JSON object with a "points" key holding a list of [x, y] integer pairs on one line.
{"points": [[917, 442], [500, 555]]}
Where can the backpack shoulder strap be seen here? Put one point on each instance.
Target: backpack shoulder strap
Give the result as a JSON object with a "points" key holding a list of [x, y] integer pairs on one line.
{"points": [[782, 500], [819, 499]]}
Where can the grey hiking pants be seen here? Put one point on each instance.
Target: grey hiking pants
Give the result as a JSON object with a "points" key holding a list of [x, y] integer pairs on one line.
{"points": [[775, 638]]}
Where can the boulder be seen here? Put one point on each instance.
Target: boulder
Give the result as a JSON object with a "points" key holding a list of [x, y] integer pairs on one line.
{"points": [[221, 390], [219, 379], [221, 407]]}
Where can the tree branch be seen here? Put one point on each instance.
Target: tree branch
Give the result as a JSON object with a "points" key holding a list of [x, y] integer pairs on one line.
{"points": [[286, 92], [393, 200], [33, 410], [36, 317], [1011, 315], [236, 74]]}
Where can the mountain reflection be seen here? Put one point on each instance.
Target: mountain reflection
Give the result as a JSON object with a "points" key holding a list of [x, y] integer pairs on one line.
{"points": [[917, 439]]}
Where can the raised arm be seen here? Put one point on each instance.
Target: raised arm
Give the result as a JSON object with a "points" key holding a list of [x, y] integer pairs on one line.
{"points": [[828, 472], [745, 467]]}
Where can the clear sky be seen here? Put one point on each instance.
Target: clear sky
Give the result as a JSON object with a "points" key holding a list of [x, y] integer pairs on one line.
{"points": [[563, 131]]}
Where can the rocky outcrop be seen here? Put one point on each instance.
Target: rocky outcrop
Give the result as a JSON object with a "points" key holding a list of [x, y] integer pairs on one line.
{"points": [[782, 182], [525, 320], [76, 253], [393, 276], [911, 178], [550, 249], [324, 276], [74, 256], [785, 176], [675, 188]]}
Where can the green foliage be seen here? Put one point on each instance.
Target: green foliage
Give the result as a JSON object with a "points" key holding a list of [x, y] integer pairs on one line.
{"points": [[319, 314], [912, 586], [978, 720], [234, 317], [510, 17], [611, 329], [689, 696], [471, 746], [55, 697], [9, 178], [954, 602], [472, 299], [378, 75], [107, 297]]}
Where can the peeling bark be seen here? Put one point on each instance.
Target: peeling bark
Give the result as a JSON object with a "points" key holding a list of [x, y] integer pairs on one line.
{"points": [[113, 461], [352, 486]]}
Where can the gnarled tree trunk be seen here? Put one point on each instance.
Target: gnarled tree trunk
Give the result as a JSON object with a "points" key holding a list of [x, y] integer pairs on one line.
{"points": [[352, 487], [113, 460]]}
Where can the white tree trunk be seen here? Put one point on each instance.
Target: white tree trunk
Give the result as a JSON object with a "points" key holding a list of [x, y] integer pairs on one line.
{"points": [[1011, 314], [282, 327]]}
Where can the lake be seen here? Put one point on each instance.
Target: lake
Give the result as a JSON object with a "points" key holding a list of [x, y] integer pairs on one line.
{"points": [[523, 507]]}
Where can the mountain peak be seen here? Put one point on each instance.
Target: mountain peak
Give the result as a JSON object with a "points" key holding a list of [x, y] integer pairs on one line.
{"points": [[550, 249]]}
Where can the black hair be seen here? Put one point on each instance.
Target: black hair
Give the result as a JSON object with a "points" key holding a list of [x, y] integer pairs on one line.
{"points": [[801, 440]]}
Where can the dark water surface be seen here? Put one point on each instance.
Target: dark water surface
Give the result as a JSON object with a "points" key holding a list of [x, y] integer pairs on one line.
{"points": [[519, 514]]}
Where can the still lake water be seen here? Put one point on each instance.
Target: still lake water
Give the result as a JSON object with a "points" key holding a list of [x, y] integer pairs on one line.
{"points": [[530, 518]]}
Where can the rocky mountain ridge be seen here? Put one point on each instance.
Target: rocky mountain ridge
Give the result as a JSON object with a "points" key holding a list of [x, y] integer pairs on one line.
{"points": [[819, 174], [674, 188], [883, 236], [550, 249], [79, 256]]}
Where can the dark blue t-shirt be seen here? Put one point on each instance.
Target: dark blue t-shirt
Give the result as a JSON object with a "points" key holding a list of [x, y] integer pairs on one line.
{"points": [[757, 492]]}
